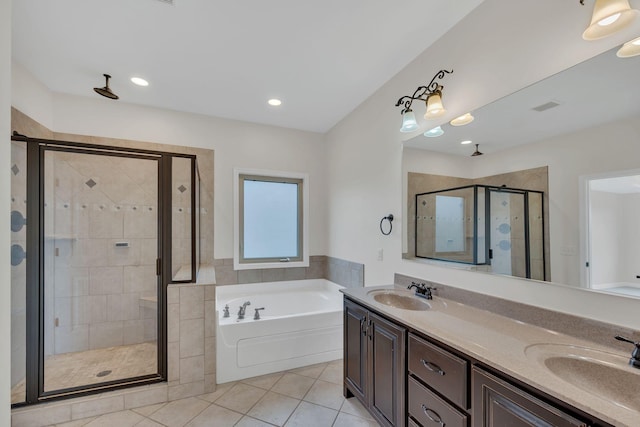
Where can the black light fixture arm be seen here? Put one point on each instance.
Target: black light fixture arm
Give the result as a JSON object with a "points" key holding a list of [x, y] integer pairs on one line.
{"points": [[423, 92]]}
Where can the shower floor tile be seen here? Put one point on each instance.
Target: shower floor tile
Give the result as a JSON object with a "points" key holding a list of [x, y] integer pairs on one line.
{"points": [[95, 366]]}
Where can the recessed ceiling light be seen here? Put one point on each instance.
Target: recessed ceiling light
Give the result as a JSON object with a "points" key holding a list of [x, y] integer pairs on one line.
{"points": [[274, 101], [139, 81], [432, 133], [468, 141]]}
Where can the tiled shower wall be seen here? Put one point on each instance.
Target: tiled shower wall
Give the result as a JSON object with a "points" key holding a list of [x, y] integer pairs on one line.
{"points": [[181, 219]]}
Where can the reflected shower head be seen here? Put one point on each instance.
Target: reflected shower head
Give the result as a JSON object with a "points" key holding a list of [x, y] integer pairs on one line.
{"points": [[477, 153], [105, 91]]}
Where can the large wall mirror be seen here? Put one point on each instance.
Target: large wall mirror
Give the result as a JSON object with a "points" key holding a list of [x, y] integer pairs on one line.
{"points": [[575, 136]]}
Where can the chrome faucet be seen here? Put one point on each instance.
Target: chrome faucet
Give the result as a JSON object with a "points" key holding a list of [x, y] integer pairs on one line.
{"points": [[243, 308], [422, 290], [226, 311], [635, 354], [257, 315]]}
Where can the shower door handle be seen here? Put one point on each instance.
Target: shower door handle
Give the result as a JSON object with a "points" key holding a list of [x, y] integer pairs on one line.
{"points": [[158, 266]]}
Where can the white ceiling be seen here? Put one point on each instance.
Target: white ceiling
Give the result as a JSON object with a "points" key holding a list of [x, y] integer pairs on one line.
{"points": [[598, 91], [227, 58]]}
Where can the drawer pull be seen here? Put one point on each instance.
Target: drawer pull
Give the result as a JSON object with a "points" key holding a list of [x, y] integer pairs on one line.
{"points": [[432, 367], [432, 415]]}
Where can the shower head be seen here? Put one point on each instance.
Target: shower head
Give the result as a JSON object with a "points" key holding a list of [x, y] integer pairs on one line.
{"points": [[105, 91], [477, 153]]}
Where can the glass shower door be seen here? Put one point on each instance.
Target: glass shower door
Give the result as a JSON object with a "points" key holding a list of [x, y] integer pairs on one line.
{"points": [[100, 290]]}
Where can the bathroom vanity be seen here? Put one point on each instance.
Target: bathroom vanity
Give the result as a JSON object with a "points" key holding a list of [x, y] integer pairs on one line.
{"points": [[417, 362]]}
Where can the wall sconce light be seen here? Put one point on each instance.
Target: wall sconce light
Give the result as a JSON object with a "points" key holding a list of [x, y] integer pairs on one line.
{"points": [[431, 94], [609, 16], [464, 119], [434, 133], [629, 49], [409, 122]]}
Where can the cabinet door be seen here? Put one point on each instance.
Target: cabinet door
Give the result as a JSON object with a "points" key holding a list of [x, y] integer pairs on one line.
{"points": [[497, 403], [387, 364], [355, 349]]}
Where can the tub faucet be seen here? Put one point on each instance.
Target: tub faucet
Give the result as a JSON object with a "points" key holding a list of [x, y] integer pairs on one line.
{"points": [[257, 315], [226, 311], [243, 308], [422, 290], [635, 354]]}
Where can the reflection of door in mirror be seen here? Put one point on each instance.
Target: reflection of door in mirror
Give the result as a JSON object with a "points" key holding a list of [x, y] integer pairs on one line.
{"points": [[613, 233]]}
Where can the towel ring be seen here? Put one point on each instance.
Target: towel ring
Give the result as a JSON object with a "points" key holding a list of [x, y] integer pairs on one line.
{"points": [[390, 219]]}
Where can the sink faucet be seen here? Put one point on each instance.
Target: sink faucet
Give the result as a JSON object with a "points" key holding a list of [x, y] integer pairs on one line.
{"points": [[243, 308], [422, 290], [635, 354]]}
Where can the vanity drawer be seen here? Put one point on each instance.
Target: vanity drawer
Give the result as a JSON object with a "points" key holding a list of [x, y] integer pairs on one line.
{"points": [[440, 369], [430, 410]]}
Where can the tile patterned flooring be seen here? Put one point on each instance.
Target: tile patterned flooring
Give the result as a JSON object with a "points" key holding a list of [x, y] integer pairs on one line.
{"points": [[81, 368], [305, 397]]}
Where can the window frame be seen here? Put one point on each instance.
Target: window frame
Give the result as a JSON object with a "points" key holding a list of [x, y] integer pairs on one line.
{"points": [[240, 174]]}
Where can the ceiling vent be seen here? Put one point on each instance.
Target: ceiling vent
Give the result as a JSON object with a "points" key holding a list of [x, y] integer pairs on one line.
{"points": [[546, 106]]}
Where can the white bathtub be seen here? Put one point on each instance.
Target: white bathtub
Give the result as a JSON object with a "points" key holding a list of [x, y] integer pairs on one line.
{"points": [[301, 324], [623, 288]]}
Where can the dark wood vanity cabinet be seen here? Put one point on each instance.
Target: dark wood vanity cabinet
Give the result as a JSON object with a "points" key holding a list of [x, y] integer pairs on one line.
{"points": [[374, 363], [356, 350], [499, 403], [403, 377], [438, 385]]}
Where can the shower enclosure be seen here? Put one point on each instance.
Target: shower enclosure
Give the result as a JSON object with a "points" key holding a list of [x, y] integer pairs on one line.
{"points": [[98, 233], [497, 227]]}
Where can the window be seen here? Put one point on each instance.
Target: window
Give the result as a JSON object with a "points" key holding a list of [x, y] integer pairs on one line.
{"points": [[271, 220]]}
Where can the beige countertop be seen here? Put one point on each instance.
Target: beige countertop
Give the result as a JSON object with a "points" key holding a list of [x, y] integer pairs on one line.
{"points": [[505, 344]]}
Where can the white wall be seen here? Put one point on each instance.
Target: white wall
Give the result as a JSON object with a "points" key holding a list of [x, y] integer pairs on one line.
{"points": [[236, 144], [630, 239], [31, 95], [365, 154], [606, 261], [5, 208]]}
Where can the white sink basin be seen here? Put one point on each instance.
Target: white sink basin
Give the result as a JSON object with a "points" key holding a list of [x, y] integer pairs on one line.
{"points": [[606, 375]]}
